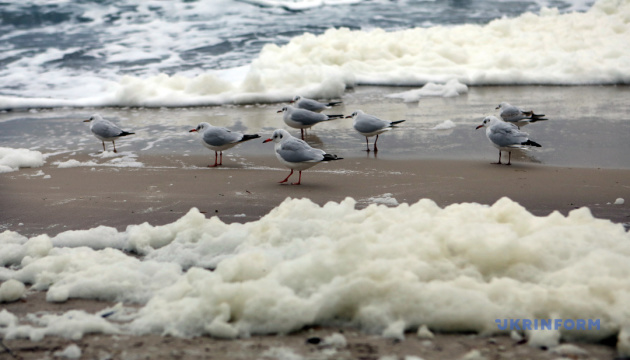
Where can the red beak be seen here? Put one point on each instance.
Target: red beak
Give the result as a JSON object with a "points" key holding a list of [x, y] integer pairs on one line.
{"points": [[193, 130], [279, 111], [348, 117], [268, 140], [479, 127]]}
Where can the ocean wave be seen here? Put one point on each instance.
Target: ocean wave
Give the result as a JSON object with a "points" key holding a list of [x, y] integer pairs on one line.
{"points": [[549, 48]]}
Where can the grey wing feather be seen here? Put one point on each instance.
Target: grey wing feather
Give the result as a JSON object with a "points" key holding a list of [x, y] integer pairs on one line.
{"points": [[512, 113], [308, 117], [505, 134], [297, 151], [368, 123], [106, 129], [217, 136], [311, 105]]}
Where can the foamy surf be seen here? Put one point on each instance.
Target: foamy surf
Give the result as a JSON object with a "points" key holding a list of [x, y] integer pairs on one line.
{"points": [[548, 48], [383, 270]]}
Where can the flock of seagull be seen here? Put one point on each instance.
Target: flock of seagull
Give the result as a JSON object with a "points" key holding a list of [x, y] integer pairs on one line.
{"points": [[296, 154]]}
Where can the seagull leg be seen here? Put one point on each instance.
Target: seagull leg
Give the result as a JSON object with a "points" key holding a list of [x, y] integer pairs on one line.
{"points": [[215, 160], [285, 180], [509, 158], [367, 144], [302, 133], [221, 158], [103, 145], [499, 162], [299, 180], [375, 148], [113, 142]]}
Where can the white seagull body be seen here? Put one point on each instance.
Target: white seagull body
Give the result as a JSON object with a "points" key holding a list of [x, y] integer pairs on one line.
{"points": [[505, 136], [105, 130], [296, 154], [304, 119], [517, 116], [369, 125], [219, 138], [312, 105]]}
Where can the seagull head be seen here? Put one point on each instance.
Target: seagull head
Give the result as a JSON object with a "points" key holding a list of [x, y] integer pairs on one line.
{"points": [[487, 121], [286, 108], [296, 98], [94, 117], [502, 105], [278, 136], [201, 127], [354, 114]]}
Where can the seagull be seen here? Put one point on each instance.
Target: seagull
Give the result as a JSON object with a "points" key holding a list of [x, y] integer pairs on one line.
{"points": [[296, 154], [105, 130], [369, 125], [312, 105], [219, 138], [304, 119], [505, 136], [517, 116]]}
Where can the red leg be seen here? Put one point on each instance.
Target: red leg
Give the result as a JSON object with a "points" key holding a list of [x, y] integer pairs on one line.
{"points": [[215, 160], [509, 158], [367, 144], [302, 133], [299, 180], [375, 148], [221, 158], [285, 180], [113, 142]]}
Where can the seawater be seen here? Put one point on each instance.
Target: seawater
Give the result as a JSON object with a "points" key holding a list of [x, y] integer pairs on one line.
{"points": [[154, 53]]}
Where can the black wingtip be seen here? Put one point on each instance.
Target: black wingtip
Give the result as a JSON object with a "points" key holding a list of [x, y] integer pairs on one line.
{"points": [[335, 116], [334, 103], [531, 143], [125, 133], [250, 137], [330, 157], [397, 122]]}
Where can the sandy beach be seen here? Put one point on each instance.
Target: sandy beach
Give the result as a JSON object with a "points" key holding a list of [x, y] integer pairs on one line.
{"points": [[447, 167]]}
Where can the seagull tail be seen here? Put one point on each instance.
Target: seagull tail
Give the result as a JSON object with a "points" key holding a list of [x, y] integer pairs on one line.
{"points": [[249, 137], [125, 133], [536, 117], [330, 157], [396, 122], [531, 143], [332, 117]]}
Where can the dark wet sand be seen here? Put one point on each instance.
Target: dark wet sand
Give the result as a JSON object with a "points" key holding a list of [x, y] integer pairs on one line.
{"points": [[163, 191]]}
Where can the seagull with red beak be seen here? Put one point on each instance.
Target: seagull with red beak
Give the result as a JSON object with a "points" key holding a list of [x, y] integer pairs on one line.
{"points": [[296, 154]]}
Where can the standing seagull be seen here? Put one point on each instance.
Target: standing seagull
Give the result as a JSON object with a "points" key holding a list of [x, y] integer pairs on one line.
{"points": [[304, 119], [505, 136], [517, 116], [105, 130], [219, 139], [312, 105], [296, 154], [369, 125]]}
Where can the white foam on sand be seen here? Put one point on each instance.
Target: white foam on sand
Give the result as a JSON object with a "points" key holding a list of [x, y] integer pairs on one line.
{"points": [[445, 125], [14, 159], [545, 48], [452, 88], [381, 269]]}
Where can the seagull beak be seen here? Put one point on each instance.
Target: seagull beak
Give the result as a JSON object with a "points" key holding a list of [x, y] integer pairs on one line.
{"points": [[291, 102], [279, 111], [349, 116], [88, 120], [498, 107], [268, 140], [479, 127], [193, 130]]}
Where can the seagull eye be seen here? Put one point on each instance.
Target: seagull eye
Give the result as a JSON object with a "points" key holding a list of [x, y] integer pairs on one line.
{"points": [[280, 136]]}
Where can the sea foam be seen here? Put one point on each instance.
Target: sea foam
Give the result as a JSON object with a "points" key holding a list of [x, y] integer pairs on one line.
{"points": [[550, 47], [13, 159], [383, 270]]}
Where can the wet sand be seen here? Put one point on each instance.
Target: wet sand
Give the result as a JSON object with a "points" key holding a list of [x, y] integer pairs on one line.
{"points": [[163, 191]]}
